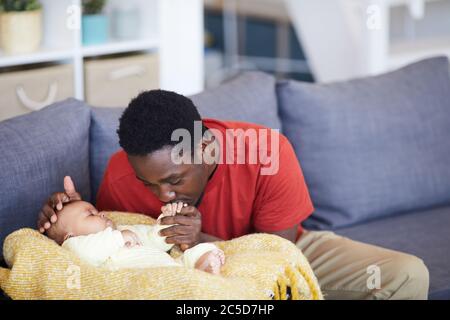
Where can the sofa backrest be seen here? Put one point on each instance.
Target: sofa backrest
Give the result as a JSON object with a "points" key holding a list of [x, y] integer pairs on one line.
{"points": [[37, 151], [104, 142], [248, 97], [372, 147]]}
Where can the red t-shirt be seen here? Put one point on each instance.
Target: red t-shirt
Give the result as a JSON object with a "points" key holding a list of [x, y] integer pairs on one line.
{"points": [[237, 200]]}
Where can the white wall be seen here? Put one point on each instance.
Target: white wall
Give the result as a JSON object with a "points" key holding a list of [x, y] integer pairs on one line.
{"points": [[181, 45]]}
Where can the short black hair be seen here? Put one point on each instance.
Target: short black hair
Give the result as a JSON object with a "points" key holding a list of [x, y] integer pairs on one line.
{"points": [[151, 117]]}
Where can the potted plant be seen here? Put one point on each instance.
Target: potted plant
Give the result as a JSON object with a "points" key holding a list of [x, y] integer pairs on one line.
{"points": [[20, 26], [95, 25]]}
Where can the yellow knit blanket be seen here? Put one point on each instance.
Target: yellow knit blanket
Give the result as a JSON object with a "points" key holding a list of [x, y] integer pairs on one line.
{"points": [[258, 266]]}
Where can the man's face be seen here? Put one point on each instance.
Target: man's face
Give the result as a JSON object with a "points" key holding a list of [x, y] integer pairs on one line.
{"points": [[168, 181]]}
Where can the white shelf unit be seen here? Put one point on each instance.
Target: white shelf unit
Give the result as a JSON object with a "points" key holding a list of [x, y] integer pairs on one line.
{"points": [[344, 39], [43, 55], [164, 24], [417, 32]]}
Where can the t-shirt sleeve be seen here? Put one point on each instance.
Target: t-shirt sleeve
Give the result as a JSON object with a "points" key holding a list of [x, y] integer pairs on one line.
{"points": [[282, 199]]}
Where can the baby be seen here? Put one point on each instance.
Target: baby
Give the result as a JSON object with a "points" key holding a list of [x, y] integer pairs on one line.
{"points": [[83, 230]]}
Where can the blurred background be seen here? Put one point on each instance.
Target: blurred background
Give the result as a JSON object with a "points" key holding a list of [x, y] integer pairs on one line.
{"points": [[107, 51]]}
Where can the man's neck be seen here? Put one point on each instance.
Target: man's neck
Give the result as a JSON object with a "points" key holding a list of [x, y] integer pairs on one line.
{"points": [[212, 169]]}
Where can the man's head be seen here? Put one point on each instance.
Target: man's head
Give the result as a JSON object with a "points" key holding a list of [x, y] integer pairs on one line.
{"points": [[145, 133], [77, 218]]}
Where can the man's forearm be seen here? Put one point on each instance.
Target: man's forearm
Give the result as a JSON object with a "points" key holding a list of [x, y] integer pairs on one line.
{"points": [[289, 234], [208, 238]]}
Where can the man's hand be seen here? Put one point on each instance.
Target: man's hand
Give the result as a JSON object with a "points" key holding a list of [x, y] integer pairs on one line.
{"points": [[47, 215], [186, 231]]}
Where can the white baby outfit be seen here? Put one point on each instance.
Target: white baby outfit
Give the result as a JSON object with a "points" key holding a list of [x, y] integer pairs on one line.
{"points": [[107, 249]]}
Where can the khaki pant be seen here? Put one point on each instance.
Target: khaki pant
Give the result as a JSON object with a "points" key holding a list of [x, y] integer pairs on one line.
{"points": [[348, 269]]}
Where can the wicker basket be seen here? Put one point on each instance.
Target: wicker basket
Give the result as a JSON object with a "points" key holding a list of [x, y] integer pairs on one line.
{"points": [[21, 32], [29, 90], [113, 82]]}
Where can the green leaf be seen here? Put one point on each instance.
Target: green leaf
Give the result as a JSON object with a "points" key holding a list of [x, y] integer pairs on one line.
{"points": [[93, 6], [19, 5]]}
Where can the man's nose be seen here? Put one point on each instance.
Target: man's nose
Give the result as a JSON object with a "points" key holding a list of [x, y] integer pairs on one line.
{"points": [[166, 194]]}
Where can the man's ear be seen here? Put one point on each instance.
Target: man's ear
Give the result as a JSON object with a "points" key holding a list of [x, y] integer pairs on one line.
{"points": [[201, 147], [206, 141], [204, 145]]}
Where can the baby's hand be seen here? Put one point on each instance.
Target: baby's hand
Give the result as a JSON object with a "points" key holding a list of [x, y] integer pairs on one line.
{"points": [[130, 239], [171, 209]]}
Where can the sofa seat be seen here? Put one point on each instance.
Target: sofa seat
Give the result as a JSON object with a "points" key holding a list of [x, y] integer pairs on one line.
{"points": [[425, 234]]}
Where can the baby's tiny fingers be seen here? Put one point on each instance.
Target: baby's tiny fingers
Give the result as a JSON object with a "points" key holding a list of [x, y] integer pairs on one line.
{"points": [[174, 208], [166, 210]]}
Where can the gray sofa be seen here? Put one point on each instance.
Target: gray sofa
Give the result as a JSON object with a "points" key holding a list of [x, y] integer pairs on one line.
{"points": [[375, 153]]}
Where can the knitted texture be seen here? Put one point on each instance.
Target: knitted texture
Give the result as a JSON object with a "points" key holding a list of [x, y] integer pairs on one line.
{"points": [[258, 266]]}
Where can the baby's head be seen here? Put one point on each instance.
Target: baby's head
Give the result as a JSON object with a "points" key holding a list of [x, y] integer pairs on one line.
{"points": [[78, 218]]}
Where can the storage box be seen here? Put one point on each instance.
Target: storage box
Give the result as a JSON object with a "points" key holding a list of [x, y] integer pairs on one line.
{"points": [[29, 90], [113, 82]]}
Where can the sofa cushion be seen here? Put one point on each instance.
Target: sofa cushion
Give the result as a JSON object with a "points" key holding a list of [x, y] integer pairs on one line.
{"points": [[372, 147], [37, 151], [249, 97], [104, 142], [423, 234]]}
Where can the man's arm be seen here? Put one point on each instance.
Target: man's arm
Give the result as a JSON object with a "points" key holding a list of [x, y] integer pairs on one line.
{"points": [[289, 234], [283, 200], [208, 238]]}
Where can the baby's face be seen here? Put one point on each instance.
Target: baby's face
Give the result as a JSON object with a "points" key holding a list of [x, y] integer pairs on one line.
{"points": [[78, 218]]}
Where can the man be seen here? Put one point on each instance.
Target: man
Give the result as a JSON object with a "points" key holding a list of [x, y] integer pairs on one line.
{"points": [[233, 195]]}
